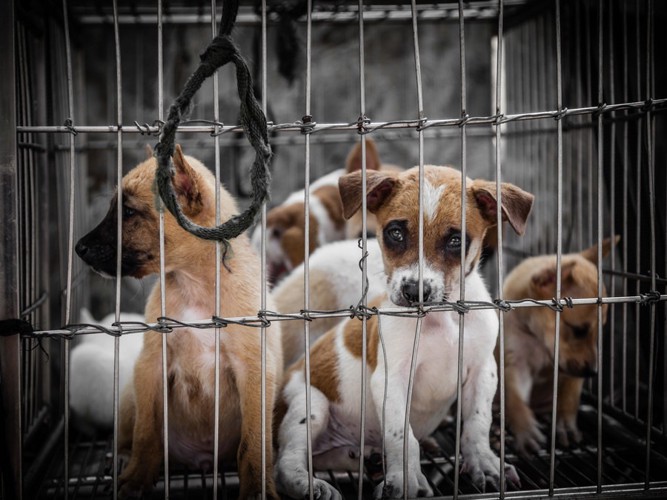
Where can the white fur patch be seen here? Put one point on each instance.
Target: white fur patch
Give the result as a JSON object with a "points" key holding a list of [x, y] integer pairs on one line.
{"points": [[431, 196]]}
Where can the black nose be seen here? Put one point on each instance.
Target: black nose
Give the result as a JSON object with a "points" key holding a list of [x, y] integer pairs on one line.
{"points": [[81, 249], [410, 291]]}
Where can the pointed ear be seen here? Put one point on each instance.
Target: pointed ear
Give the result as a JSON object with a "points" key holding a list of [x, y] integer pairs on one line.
{"points": [[379, 187], [186, 184], [592, 252], [354, 159], [544, 280], [516, 203], [149, 151]]}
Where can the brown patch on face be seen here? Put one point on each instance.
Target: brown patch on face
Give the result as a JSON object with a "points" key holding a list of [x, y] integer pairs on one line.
{"points": [[353, 338], [330, 198], [287, 223]]}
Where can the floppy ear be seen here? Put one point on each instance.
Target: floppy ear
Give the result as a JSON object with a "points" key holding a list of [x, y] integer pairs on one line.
{"points": [[544, 280], [185, 183], [354, 159], [592, 252], [516, 203], [379, 187]]}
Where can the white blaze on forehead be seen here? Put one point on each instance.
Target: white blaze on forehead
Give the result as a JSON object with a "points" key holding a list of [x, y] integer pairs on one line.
{"points": [[431, 196]]}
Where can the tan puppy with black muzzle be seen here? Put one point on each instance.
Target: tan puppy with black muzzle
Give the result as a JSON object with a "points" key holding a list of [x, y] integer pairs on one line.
{"points": [[335, 359], [529, 344], [190, 284]]}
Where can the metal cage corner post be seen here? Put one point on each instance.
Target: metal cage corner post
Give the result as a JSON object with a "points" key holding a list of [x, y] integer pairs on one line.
{"points": [[10, 347]]}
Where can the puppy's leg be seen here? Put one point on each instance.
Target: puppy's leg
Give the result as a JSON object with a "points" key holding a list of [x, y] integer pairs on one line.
{"points": [[144, 466], [569, 393], [394, 418], [247, 373], [520, 418], [479, 461], [292, 463]]}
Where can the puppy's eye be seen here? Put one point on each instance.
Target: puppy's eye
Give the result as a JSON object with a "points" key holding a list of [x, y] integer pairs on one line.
{"points": [[128, 212], [454, 243], [579, 331], [396, 234]]}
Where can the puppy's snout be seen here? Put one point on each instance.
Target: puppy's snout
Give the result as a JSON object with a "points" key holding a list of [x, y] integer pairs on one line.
{"points": [[410, 291], [81, 249], [582, 369]]}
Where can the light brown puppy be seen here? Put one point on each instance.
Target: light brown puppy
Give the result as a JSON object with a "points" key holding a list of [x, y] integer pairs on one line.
{"points": [[529, 344], [190, 279], [285, 223]]}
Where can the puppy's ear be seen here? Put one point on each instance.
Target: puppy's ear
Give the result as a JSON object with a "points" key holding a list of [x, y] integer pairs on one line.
{"points": [[592, 252], [544, 281], [186, 184], [516, 203], [379, 187], [354, 159]]}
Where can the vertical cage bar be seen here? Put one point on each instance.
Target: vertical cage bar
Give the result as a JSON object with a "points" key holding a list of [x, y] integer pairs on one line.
{"points": [[11, 453], [638, 197], [119, 239], [364, 267], [559, 250], [263, 282], [651, 193], [306, 267], [163, 283], [499, 234], [218, 259], [612, 205], [420, 278], [459, 376], [625, 236], [600, 282], [70, 249]]}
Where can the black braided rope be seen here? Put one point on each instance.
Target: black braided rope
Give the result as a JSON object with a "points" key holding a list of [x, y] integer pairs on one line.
{"points": [[221, 51]]}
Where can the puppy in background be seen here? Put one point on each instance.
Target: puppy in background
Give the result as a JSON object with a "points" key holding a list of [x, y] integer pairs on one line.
{"points": [[189, 286], [529, 344], [336, 358], [285, 223], [91, 372]]}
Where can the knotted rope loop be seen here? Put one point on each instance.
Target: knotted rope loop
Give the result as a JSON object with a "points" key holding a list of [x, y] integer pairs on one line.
{"points": [[221, 51]]}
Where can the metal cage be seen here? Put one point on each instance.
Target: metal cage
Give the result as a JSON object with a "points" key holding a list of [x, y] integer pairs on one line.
{"points": [[566, 98]]}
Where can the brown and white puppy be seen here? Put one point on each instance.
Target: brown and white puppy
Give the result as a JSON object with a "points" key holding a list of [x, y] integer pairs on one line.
{"points": [[285, 223], [336, 358], [529, 344], [190, 282]]}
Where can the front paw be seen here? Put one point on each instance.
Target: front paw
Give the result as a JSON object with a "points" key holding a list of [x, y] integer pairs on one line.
{"points": [[567, 431], [392, 486], [484, 469], [528, 438], [135, 483]]}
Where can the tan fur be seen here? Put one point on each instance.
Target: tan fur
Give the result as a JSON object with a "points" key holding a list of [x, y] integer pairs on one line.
{"points": [[323, 367], [190, 282], [525, 327], [353, 337]]}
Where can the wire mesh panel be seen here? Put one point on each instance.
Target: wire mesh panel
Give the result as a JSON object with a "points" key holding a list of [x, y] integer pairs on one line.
{"points": [[564, 99]]}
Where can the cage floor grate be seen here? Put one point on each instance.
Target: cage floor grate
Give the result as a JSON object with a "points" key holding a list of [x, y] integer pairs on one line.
{"points": [[576, 469]]}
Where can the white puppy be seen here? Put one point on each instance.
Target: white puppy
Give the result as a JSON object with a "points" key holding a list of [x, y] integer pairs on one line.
{"points": [[336, 358], [91, 372]]}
